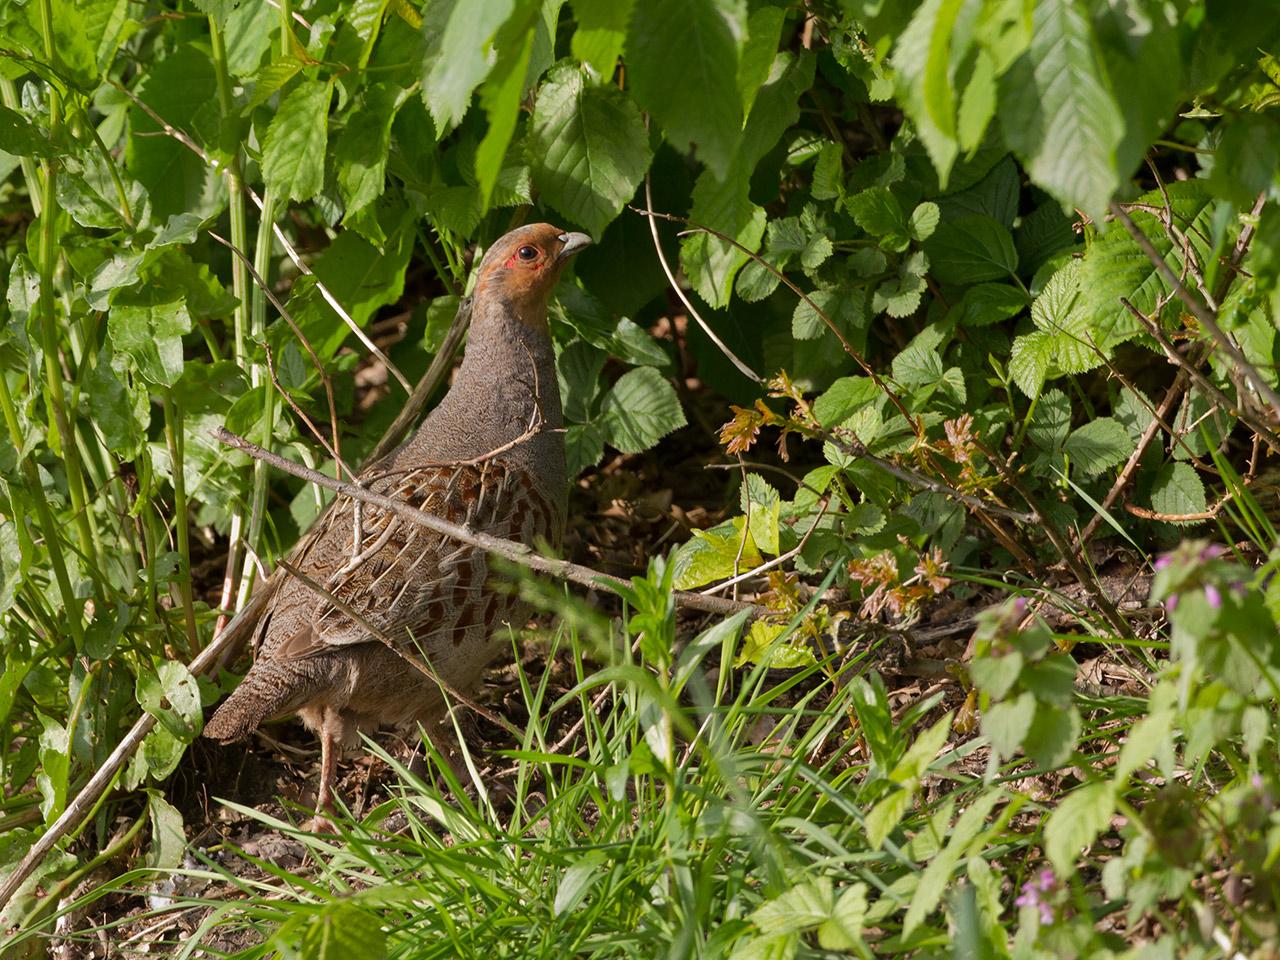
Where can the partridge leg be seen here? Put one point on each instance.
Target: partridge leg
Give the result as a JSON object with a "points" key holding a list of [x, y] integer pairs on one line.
{"points": [[321, 823]]}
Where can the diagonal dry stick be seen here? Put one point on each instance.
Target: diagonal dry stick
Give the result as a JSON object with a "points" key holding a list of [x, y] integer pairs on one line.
{"points": [[517, 553]]}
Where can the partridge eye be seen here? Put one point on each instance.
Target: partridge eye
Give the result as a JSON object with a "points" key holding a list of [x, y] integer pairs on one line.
{"points": [[527, 253]]}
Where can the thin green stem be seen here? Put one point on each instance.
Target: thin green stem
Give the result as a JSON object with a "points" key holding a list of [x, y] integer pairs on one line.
{"points": [[44, 516], [174, 434]]}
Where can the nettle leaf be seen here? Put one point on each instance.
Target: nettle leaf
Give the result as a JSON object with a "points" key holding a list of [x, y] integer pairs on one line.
{"points": [[294, 148], [588, 148], [1178, 491], [640, 409], [1099, 445], [971, 250], [682, 63], [1058, 111], [1064, 343], [988, 303], [458, 37]]}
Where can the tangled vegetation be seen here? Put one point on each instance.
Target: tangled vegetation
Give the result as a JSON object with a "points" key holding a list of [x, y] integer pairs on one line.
{"points": [[976, 301]]}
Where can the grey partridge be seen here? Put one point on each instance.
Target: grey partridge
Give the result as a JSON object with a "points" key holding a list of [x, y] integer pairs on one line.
{"points": [[383, 592]]}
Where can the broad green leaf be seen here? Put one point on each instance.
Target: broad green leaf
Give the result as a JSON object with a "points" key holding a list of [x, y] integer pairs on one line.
{"points": [[151, 335], [977, 104], [270, 79], [343, 930], [1115, 266], [1058, 112], [970, 250], [922, 62], [715, 554], [1005, 724], [682, 63], [181, 88], [1098, 446], [763, 28], [588, 148], [601, 33], [843, 929], [986, 303], [294, 148], [169, 693], [458, 37], [168, 840], [844, 398], [500, 97], [360, 152], [640, 409], [1076, 822], [1178, 491], [23, 138]]}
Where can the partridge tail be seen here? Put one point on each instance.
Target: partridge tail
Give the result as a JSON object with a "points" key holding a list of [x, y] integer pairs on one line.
{"points": [[268, 690]]}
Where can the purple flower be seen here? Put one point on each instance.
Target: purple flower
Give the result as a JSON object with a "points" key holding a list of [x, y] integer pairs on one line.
{"points": [[1164, 562], [1213, 595], [1019, 605], [1171, 602], [1212, 552], [1046, 881], [1033, 892]]}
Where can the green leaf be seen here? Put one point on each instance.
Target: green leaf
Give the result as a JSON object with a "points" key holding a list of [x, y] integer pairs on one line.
{"points": [[169, 693], [970, 250], [715, 554], [844, 398], [988, 303], [1058, 112], [151, 334], [294, 148], [182, 89], [588, 148], [1005, 724], [601, 33], [640, 409], [1115, 266], [922, 62], [1098, 446], [682, 63], [977, 104], [271, 78], [360, 152], [843, 929], [501, 96], [1076, 822], [168, 840], [763, 29], [458, 37], [1178, 490], [23, 138], [343, 930]]}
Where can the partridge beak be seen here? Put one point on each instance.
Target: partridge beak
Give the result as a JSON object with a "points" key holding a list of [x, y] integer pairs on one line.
{"points": [[571, 243]]}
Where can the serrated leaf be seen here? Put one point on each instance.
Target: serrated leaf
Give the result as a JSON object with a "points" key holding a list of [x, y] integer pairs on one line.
{"points": [[1115, 266], [360, 152], [501, 95], [1058, 112], [986, 303], [682, 64], [1178, 490], [294, 148], [1076, 822], [640, 409], [922, 62], [588, 148], [1098, 446], [923, 221]]}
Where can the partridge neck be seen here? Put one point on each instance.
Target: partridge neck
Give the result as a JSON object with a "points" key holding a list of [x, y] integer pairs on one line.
{"points": [[505, 395]]}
